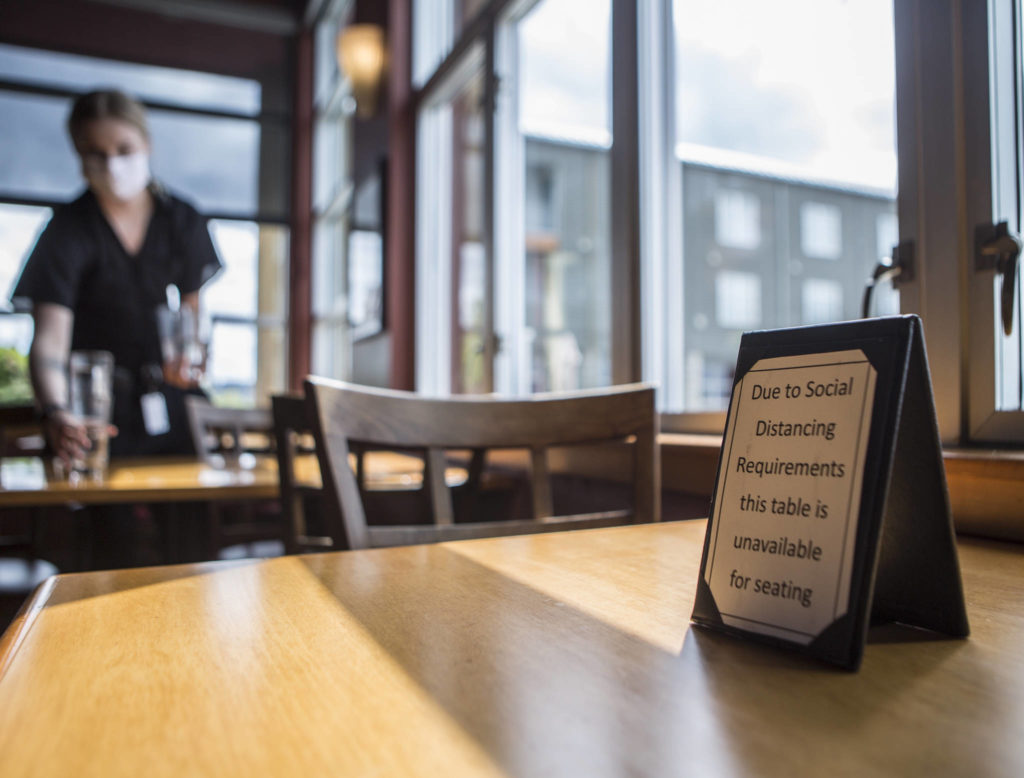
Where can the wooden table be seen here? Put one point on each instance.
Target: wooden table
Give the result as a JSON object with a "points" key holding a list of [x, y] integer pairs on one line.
{"points": [[24, 482], [569, 654]]}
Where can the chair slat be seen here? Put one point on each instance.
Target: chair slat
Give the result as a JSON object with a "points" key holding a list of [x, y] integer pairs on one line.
{"points": [[540, 484], [434, 467]]}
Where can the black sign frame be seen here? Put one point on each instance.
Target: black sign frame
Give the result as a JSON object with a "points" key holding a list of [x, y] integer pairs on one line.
{"points": [[905, 566]]}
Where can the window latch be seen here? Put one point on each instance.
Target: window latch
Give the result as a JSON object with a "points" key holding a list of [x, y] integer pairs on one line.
{"points": [[997, 248], [897, 269]]}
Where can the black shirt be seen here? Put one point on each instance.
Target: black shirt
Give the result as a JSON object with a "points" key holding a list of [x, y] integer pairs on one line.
{"points": [[80, 263]]}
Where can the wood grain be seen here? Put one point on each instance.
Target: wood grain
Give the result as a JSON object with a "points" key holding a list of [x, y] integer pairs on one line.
{"points": [[986, 489], [564, 654]]}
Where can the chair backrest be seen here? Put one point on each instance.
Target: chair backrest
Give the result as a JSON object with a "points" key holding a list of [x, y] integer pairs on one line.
{"points": [[344, 415], [225, 433], [291, 424]]}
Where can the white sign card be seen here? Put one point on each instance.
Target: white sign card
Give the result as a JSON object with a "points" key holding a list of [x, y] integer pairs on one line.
{"points": [[782, 546], [793, 539]]}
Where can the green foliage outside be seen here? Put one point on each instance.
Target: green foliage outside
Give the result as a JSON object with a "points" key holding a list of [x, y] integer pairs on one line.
{"points": [[15, 386]]}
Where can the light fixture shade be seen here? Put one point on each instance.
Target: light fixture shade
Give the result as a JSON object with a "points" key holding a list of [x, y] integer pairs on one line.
{"points": [[362, 57]]}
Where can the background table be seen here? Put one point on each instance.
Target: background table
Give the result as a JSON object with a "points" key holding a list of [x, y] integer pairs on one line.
{"points": [[563, 654], [24, 481]]}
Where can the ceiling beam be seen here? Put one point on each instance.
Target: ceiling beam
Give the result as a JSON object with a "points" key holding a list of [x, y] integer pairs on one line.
{"points": [[230, 13]]}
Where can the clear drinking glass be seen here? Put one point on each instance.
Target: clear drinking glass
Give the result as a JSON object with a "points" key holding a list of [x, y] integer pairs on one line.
{"points": [[91, 400], [182, 345]]}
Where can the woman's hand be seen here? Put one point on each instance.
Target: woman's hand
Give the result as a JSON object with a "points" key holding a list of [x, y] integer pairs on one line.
{"points": [[67, 436], [186, 371]]}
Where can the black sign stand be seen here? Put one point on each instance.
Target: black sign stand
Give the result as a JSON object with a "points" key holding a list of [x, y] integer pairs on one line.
{"points": [[905, 566]]}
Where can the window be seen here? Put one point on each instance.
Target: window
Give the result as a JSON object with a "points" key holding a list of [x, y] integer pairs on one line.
{"points": [[821, 229], [777, 171], [208, 139], [437, 24], [246, 306], [554, 202], [332, 201], [737, 300], [767, 174], [821, 301], [20, 226], [737, 219], [452, 265], [993, 66]]}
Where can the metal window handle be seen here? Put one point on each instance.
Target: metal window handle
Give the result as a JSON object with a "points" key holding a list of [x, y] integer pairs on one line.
{"points": [[898, 270], [997, 248]]}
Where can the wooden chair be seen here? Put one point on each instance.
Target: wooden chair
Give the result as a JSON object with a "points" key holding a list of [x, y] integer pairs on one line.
{"points": [[344, 415], [298, 500], [222, 436]]}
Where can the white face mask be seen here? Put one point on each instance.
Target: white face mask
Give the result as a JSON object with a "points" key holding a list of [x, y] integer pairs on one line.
{"points": [[122, 177]]}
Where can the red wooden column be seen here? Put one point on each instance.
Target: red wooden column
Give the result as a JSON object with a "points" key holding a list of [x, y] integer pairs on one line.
{"points": [[299, 276], [399, 241]]}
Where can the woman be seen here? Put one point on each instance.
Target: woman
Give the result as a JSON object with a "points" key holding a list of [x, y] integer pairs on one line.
{"points": [[98, 273]]}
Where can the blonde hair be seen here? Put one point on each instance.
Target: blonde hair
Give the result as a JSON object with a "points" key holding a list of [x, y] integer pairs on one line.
{"points": [[106, 104]]}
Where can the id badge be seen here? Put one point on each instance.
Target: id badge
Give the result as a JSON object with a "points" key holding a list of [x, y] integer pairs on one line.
{"points": [[154, 414]]}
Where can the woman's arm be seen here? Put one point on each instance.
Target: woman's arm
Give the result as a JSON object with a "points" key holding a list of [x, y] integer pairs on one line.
{"points": [[48, 364]]}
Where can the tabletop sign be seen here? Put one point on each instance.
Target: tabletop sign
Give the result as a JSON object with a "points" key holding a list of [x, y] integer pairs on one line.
{"points": [[830, 508]]}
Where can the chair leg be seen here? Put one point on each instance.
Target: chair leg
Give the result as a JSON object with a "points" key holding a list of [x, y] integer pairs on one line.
{"points": [[214, 533]]}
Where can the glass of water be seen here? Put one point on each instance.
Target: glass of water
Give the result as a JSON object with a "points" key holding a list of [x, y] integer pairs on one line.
{"points": [[91, 400], [182, 345]]}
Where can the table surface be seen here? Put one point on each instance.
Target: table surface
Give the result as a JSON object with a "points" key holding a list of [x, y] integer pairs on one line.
{"points": [[25, 481], [562, 654]]}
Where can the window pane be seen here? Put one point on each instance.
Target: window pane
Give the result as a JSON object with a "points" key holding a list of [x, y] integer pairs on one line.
{"points": [[330, 338], [1010, 348], [365, 282], [331, 151], [329, 269], [436, 25], [451, 254], [330, 354], [20, 225], [247, 303], [36, 157], [231, 368], [564, 71], [469, 372], [213, 162], [233, 291], [76, 73], [785, 133], [561, 67]]}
